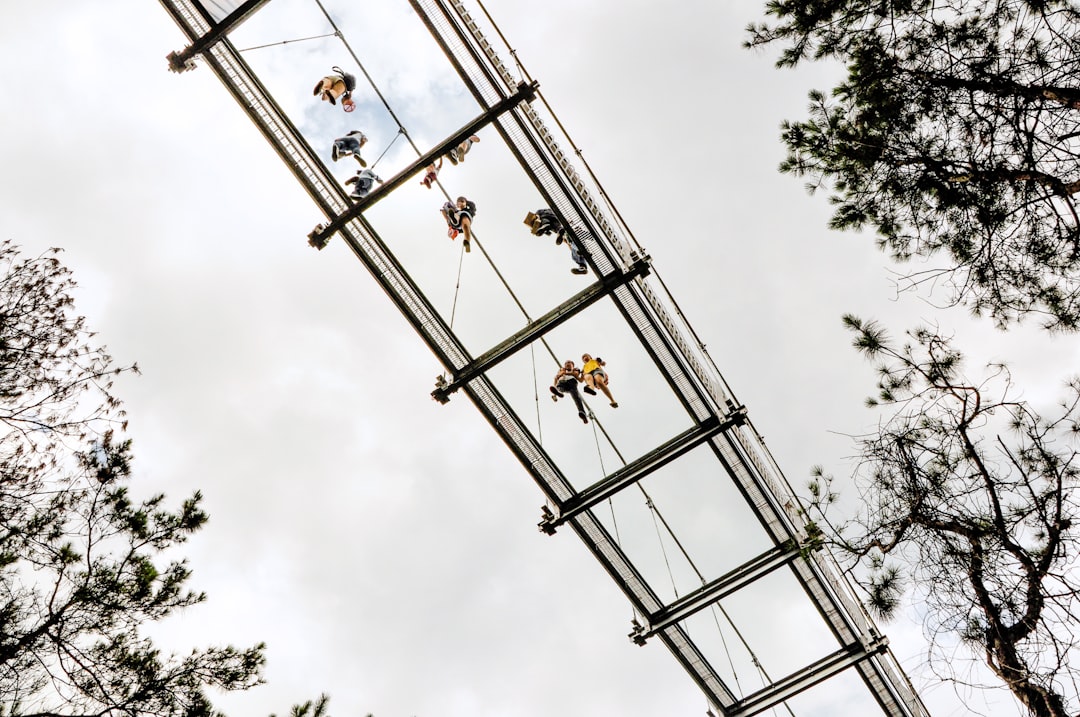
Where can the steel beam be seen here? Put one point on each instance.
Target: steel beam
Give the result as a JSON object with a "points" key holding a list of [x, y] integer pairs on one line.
{"points": [[320, 236], [718, 589], [637, 470], [184, 60], [538, 328], [804, 679]]}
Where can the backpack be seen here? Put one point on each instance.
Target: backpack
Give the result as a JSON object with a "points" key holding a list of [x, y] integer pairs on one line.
{"points": [[349, 80]]}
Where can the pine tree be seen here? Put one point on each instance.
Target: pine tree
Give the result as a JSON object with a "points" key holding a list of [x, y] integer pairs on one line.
{"points": [[81, 565], [955, 136], [968, 507]]}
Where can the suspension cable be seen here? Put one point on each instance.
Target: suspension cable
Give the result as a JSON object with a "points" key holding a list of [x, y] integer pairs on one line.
{"points": [[536, 395], [457, 286], [286, 42], [395, 139]]}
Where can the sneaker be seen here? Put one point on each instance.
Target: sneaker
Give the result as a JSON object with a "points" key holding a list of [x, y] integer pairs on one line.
{"points": [[360, 160], [334, 155], [590, 390], [583, 417], [556, 394], [452, 233], [579, 270], [614, 405], [559, 239], [467, 248]]}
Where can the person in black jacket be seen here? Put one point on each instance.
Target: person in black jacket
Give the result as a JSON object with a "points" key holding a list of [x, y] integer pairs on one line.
{"points": [[459, 218]]}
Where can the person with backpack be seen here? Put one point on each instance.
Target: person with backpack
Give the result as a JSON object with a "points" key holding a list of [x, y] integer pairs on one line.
{"points": [[339, 85], [459, 218], [543, 222]]}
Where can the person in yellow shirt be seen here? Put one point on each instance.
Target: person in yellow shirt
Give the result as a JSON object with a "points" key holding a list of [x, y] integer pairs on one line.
{"points": [[595, 377]]}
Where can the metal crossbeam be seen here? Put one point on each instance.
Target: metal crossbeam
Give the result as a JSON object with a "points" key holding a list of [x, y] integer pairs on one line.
{"points": [[706, 595], [804, 679], [637, 470], [538, 328]]}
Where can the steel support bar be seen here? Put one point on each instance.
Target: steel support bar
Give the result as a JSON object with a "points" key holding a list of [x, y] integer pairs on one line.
{"points": [[637, 470], [806, 678], [539, 327], [181, 61], [322, 233], [718, 589]]}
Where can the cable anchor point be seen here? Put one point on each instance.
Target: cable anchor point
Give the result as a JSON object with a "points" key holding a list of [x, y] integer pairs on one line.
{"points": [[547, 523], [638, 633], [440, 394]]}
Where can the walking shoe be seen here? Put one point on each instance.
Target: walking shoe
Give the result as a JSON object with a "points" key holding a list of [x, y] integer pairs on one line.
{"points": [[559, 239], [467, 248], [556, 394], [452, 233], [614, 405], [579, 270], [590, 390], [334, 155], [360, 160], [583, 417]]}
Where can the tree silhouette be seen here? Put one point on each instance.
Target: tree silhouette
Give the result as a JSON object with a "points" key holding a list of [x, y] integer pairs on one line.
{"points": [[81, 566], [955, 135], [967, 503]]}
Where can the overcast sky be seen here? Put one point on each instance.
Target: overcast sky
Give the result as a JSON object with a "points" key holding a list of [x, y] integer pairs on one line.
{"points": [[383, 545]]}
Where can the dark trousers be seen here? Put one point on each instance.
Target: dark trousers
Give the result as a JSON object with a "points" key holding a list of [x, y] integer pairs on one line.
{"points": [[570, 387]]}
